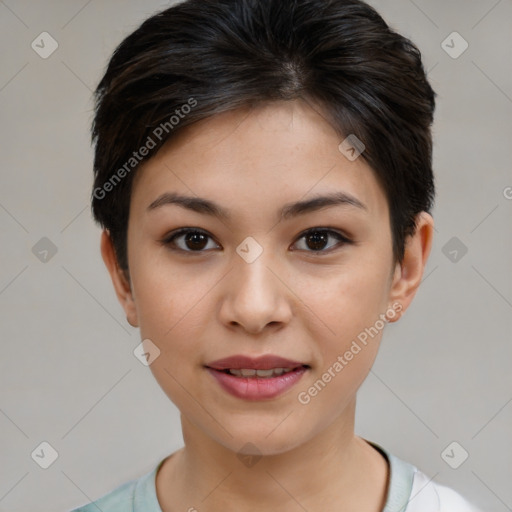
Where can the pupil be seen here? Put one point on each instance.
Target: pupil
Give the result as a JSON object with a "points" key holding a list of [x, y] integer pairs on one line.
{"points": [[319, 240], [196, 240]]}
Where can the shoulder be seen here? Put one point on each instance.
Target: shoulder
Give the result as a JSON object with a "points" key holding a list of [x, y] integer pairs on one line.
{"points": [[428, 495], [137, 495], [118, 500], [411, 490]]}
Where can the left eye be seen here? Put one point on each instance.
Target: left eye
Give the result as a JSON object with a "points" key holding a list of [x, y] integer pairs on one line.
{"points": [[317, 239], [195, 240]]}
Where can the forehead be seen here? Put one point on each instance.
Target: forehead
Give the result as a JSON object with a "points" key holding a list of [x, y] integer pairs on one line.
{"points": [[257, 157]]}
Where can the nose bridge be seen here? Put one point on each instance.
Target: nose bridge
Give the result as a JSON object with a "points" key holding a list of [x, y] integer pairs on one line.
{"points": [[255, 295], [252, 274]]}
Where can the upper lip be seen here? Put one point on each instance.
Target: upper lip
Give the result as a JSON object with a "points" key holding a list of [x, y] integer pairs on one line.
{"points": [[257, 363]]}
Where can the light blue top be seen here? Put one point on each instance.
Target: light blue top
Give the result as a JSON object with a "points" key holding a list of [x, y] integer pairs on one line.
{"points": [[139, 495]]}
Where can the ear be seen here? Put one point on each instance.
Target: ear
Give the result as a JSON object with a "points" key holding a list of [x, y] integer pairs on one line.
{"points": [[119, 279], [408, 274]]}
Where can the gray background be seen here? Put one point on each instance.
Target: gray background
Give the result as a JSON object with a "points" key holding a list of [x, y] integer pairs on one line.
{"points": [[68, 374]]}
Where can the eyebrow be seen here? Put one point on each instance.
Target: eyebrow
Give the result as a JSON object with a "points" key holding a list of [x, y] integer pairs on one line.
{"points": [[289, 210]]}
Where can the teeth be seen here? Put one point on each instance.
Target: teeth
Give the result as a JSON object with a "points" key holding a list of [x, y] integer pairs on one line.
{"points": [[264, 373], [251, 372]]}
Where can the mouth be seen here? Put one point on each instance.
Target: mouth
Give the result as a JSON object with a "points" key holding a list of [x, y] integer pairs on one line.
{"points": [[260, 378], [253, 373]]}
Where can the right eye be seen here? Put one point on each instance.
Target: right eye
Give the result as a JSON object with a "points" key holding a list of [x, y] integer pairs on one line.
{"points": [[192, 240]]}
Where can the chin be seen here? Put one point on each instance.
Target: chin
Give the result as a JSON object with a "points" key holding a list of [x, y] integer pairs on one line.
{"points": [[260, 440]]}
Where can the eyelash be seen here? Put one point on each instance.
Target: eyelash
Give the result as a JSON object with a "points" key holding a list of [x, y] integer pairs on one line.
{"points": [[168, 241]]}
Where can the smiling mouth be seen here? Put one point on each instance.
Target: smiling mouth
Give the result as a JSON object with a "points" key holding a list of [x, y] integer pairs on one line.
{"points": [[260, 374], [275, 378]]}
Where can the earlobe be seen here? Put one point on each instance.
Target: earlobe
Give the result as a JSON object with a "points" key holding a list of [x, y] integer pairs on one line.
{"points": [[120, 281], [409, 273]]}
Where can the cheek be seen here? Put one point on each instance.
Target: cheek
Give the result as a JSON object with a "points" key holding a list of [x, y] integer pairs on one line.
{"points": [[168, 297], [347, 339], [349, 299], [172, 311], [349, 304]]}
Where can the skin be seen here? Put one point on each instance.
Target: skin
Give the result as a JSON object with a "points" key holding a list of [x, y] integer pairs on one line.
{"points": [[292, 301]]}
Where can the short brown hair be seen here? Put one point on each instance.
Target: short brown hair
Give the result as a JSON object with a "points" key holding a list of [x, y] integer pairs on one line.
{"points": [[199, 58]]}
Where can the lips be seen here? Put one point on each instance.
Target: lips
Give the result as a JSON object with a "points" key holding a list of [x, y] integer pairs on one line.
{"points": [[240, 362], [258, 378]]}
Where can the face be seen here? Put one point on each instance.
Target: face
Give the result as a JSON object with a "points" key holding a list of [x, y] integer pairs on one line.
{"points": [[312, 285]]}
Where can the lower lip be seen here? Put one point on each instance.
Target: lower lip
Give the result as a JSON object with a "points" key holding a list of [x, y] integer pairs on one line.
{"points": [[254, 388]]}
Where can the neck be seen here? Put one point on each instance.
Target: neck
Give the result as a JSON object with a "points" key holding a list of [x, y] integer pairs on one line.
{"points": [[334, 469]]}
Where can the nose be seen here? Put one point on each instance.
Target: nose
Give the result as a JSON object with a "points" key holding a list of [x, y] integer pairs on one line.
{"points": [[256, 295]]}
